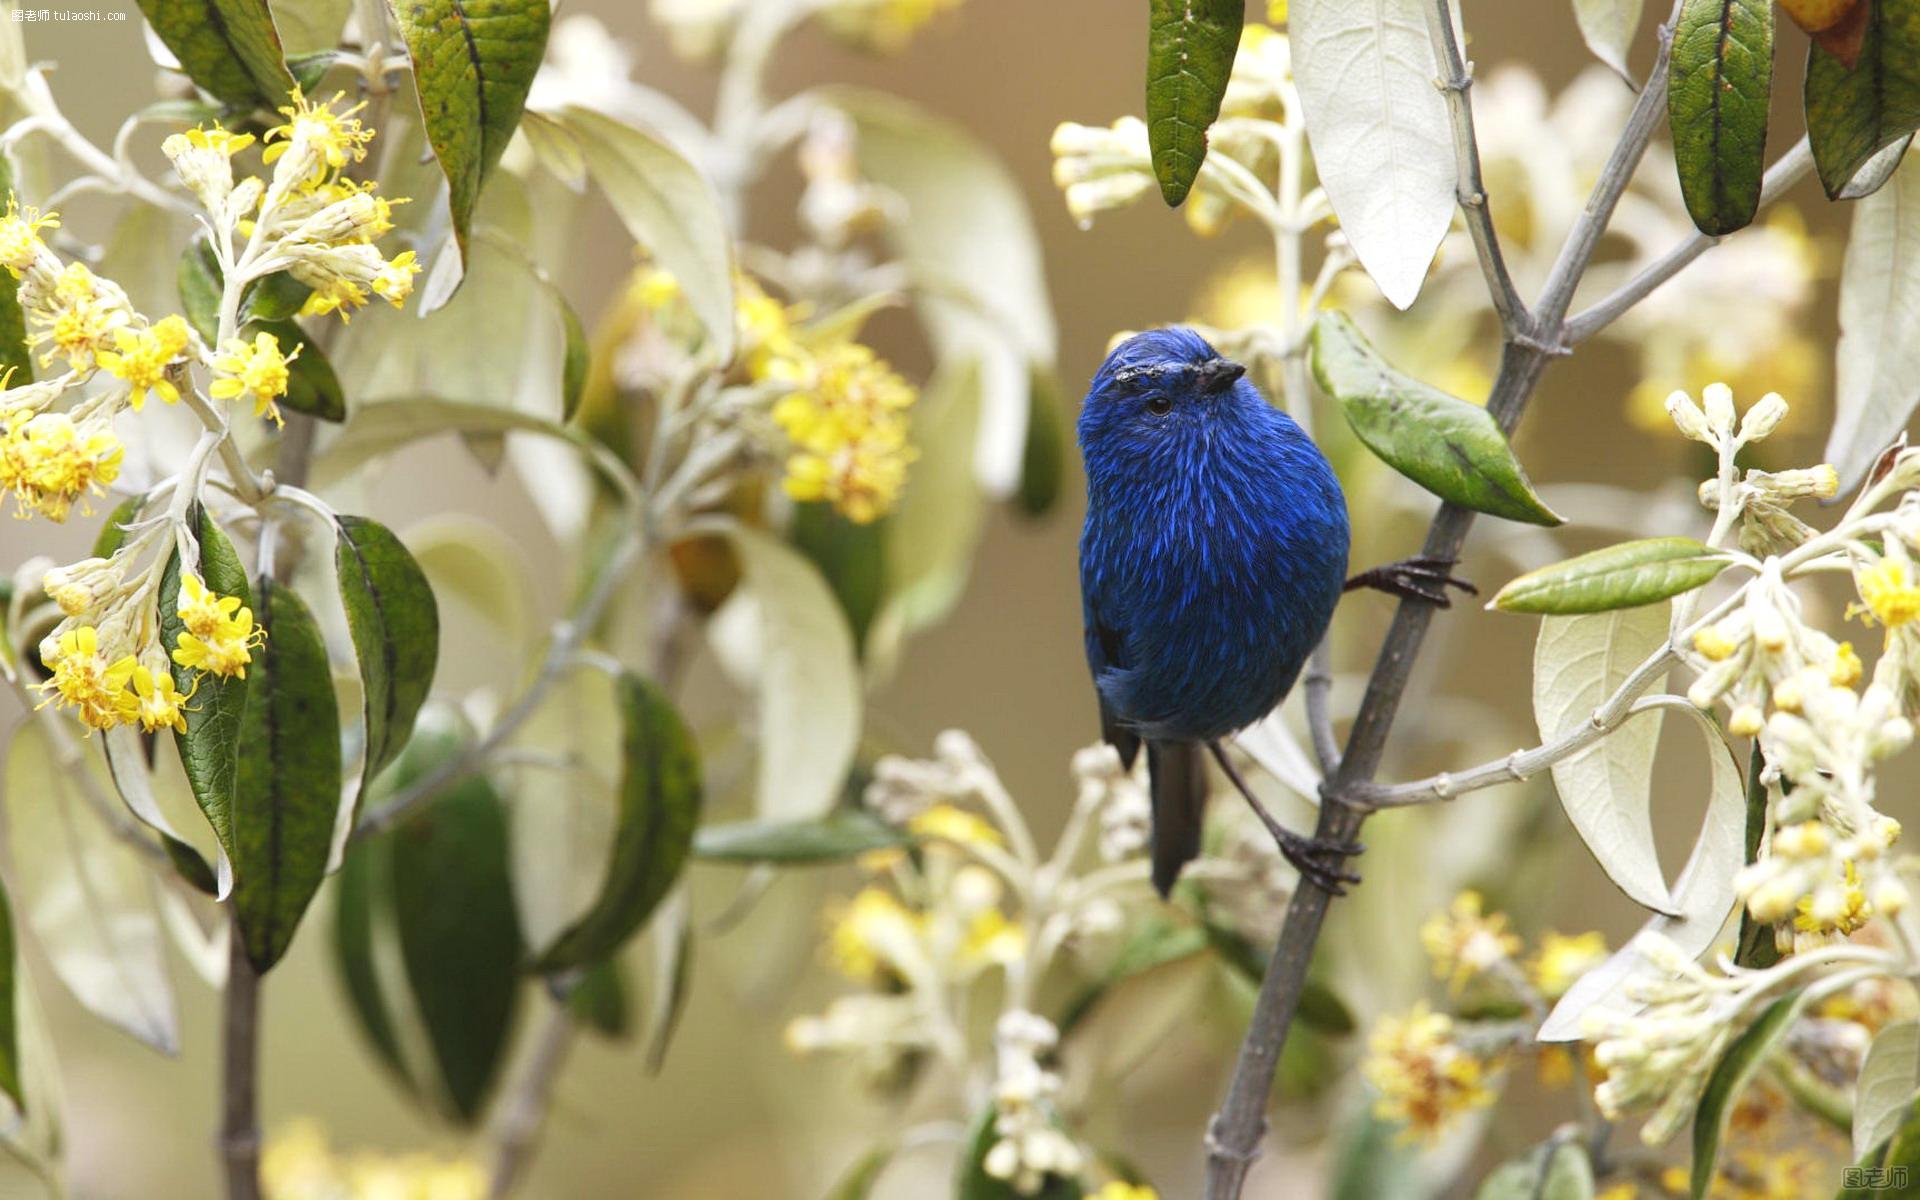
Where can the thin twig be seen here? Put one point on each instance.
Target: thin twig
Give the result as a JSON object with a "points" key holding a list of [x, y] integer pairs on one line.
{"points": [[1456, 81], [1788, 170], [1233, 1137], [523, 1110], [1319, 686]]}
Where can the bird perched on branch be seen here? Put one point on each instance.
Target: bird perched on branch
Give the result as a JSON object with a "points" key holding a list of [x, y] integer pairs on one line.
{"points": [[1214, 552]]}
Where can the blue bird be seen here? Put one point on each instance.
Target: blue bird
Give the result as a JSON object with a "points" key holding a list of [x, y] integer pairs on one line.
{"points": [[1214, 552]]}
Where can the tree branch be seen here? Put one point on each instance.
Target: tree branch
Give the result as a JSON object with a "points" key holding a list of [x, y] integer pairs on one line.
{"points": [[1233, 1138], [1788, 170], [1456, 81], [239, 1112], [524, 1109]]}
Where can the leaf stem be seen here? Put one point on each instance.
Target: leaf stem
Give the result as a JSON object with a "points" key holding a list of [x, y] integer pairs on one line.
{"points": [[523, 1110], [1233, 1137]]}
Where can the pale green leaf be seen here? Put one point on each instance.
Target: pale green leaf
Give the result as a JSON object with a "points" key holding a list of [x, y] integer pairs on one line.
{"points": [[1608, 27], [837, 837], [1878, 355], [1889, 1078], [1622, 576]]}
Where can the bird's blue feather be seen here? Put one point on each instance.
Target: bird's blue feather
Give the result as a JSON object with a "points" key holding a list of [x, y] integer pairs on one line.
{"points": [[1215, 545]]}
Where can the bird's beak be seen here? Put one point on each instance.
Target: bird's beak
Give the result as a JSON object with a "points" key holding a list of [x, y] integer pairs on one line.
{"points": [[1219, 374]]}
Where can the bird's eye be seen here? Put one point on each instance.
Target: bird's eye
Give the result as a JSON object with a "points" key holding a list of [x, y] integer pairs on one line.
{"points": [[1160, 406]]}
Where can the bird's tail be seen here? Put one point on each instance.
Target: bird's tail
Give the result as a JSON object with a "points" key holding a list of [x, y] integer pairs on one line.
{"points": [[1178, 780]]}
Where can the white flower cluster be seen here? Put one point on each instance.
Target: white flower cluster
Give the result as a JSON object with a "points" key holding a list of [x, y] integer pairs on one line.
{"points": [[902, 788], [1118, 795], [1030, 1145]]}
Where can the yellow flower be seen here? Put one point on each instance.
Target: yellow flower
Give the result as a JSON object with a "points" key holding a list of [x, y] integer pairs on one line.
{"points": [[847, 421], [993, 939], [202, 610], [765, 326], [219, 634], [1714, 644], [341, 276], [20, 235], [394, 282], [881, 24], [258, 370], [217, 139], [143, 358], [1463, 943], [1120, 1190], [159, 704], [1845, 671], [1563, 959], [49, 463], [1424, 1078], [76, 318], [1841, 910], [869, 935], [85, 681], [1887, 589], [944, 822], [654, 289], [321, 140]]}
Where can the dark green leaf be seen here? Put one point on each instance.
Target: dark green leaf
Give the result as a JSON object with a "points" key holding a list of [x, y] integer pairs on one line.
{"points": [[275, 297], [975, 1184], [1043, 463], [288, 787], [1450, 447], [227, 47], [113, 534], [9, 1028], [577, 360], [453, 909], [850, 555], [1742, 1059], [840, 835], [312, 387], [1623, 576], [1190, 49], [396, 632], [601, 1000], [659, 807], [199, 278], [210, 748], [1853, 113], [1721, 76], [473, 61], [309, 69], [363, 907]]}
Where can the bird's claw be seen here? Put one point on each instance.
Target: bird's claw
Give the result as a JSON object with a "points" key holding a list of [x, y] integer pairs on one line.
{"points": [[1422, 578], [1320, 861]]}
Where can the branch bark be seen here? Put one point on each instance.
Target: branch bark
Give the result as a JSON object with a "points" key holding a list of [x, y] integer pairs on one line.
{"points": [[240, 1073], [1233, 1137], [524, 1109]]}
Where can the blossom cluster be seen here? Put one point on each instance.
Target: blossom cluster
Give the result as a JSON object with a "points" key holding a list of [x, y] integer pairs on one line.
{"points": [[698, 28], [108, 659], [298, 1164]]}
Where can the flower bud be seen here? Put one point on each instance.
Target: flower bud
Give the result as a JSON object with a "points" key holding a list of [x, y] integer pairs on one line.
{"points": [[1717, 399], [1688, 418], [1890, 896], [1746, 720], [1763, 418]]}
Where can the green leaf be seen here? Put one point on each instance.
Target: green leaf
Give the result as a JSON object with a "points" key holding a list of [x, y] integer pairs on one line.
{"points": [[1889, 1078], [210, 748], [857, 1183], [1623, 576], [1372, 1161], [1190, 49], [9, 1027], [312, 386], [659, 800], [842, 834], [453, 909], [671, 940], [1879, 348], [975, 1184], [229, 48], [16, 363], [1450, 447], [851, 556], [1743, 1058], [395, 625], [473, 61], [363, 911], [577, 358], [199, 279], [113, 532], [1043, 465], [1721, 77], [1892, 1165], [1153, 943], [288, 788], [275, 297], [601, 1000], [668, 205], [1555, 1170], [1853, 114]]}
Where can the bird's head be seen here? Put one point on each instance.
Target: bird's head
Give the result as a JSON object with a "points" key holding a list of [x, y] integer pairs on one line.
{"points": [[1160, 386]]}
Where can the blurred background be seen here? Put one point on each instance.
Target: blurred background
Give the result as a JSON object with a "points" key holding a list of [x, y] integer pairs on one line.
{"points": [[732, 1114]]}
